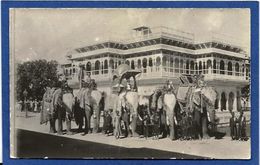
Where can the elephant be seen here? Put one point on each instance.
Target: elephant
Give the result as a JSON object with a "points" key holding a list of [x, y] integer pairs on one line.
{"points": [[165, 103], [68, 105], [57, 104], [203, 111], [126, 102], [169, 106], [88, 104]]}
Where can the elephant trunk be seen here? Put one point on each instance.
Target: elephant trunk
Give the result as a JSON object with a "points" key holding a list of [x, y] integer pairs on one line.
{"points": [[96, 118]]}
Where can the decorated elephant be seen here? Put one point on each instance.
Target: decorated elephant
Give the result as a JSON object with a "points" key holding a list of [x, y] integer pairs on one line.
{"points": [[126, 103], [165, 103], [204, 112], [127, 100], [57, 104], [87, 103]]}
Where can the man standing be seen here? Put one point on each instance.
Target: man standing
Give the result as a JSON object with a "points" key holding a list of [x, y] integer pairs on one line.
{"points": [[25, 94], [242, 126], [232, 125]]}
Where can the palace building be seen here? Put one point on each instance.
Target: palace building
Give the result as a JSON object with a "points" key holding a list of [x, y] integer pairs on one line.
{"points": [[163, 53]]}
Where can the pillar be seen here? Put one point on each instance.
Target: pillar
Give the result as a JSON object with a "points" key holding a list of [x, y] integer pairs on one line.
{"points": [[235, 102], [217, 67], [102, 67], [227, 99], [219, 102]]}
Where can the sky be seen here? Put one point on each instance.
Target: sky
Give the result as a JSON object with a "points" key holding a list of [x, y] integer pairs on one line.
{"points": [[51, 33]]}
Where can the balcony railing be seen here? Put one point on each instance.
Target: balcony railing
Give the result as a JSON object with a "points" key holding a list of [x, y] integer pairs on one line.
{"points": [[171, 72]]}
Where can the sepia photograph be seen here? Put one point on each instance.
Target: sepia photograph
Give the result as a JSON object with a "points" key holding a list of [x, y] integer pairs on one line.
{"points": [[130, 83]]}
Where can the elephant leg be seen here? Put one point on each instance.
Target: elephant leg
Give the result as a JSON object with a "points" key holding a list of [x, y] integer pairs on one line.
{"points": [[81, 119], [204, 128], [80, 127], [127, 131], [68, 124], [52, 126], [163, 125], [59, 122], [126, 128], [133, 124], [171, 127], [198, 129], [87, 121], [96, 119]]}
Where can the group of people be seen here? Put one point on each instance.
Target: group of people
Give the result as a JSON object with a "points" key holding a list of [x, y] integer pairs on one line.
{"points": [[150, 123], [238, 127], [29, 105]]}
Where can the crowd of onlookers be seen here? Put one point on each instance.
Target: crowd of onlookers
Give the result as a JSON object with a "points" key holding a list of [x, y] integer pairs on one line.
{"points": [[29, 105]]}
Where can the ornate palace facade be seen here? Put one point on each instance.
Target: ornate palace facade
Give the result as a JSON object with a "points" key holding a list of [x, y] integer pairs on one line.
{"points": [[162, 53]]}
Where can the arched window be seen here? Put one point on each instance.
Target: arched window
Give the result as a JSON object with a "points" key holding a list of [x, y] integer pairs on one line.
{"points": [[88, 67], [181, 66], [139, 64], [111, 64], [243, 69], [177, 65], [192, 67], [204, 68], [144, 64], [105, 67], [237, 69], [230, 101], [188, 67], [119, 62], [97, 67], [229, 68], [214, 66], [132, 64], [158, 61], [70, 71], [196, 68], [223, 101], [74, 70], [116, 64], [164, 63], [209, 66], [216, 102], [200, 67], [150, 62], [127, 62], [222, 67], [171, 64], [158, 64]]}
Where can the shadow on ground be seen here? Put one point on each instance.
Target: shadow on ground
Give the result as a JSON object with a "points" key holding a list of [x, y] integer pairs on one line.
{"points": [[38, 145]]}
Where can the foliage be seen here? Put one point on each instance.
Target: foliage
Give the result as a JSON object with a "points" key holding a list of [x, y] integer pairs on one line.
{"points": [[245, 91], [34, 77]]}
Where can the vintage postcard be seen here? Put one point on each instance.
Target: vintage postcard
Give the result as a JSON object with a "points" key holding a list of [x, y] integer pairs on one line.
{"points": [[128, 83]]}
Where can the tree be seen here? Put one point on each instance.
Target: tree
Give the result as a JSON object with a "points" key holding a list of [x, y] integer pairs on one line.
{"points": [[34, 77], [245, 94]]}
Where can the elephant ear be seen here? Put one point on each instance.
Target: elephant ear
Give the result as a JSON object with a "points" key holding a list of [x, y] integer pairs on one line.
{"points": [[209, 95]]}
